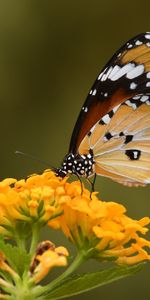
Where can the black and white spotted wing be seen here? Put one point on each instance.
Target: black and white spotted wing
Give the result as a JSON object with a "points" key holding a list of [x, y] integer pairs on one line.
{"points": [[120, 142], [126, 75], [112, 134]]}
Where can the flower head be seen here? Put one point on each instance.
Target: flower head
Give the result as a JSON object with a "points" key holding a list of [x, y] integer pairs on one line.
{"points": [[30, 200], [101, 228], [47, 257]]}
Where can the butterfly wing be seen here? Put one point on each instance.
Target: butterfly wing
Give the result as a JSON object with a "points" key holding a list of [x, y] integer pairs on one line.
{"points": [[120, 142], [127, 74]]}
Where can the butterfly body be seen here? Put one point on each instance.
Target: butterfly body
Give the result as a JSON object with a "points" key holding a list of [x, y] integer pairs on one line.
{"points": [[81, 165], [111, 137]]}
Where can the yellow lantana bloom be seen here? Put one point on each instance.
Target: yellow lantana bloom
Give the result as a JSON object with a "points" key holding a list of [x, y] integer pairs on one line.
{"points": [[101, 226], [30, 200], [91, 224]]}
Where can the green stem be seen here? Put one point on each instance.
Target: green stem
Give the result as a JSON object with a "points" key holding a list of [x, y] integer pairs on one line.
{"points": [[20, 242], [80, 258], [35, 238]]}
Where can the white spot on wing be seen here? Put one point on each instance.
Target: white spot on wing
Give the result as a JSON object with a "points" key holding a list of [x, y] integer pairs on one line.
{"points": [[106, 119], [105, 139], [101, 75], [148, 84], [133, 85], [147, 36], [137, 43], [114, 71], [105, 76], [94, 92], [137, 71], [134, 106], [148, 75], [121, 71], [116, 108], [130, 46], [108, 72], [128, 102], [135, 154], [144, 98], [93, 128], [106, 94], [136, 97]]}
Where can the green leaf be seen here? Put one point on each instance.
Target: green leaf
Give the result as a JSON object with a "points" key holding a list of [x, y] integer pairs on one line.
{"points": [[82, 283], [18, 258], [5, 275]]}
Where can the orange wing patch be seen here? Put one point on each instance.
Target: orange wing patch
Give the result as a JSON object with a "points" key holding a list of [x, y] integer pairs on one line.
{"points": [[140, 55], [125, 155], [117, 178]]}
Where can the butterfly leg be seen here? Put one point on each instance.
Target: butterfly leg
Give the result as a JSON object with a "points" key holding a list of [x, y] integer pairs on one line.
{"points": [[92, 183], [80, 183]]}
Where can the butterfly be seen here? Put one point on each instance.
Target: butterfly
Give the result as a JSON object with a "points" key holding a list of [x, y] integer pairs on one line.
{"points": [[111, 137]]}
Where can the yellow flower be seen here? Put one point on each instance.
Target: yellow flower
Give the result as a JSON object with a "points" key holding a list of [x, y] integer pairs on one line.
{"points": [[100, 229], [31, 200], [47, 257]]}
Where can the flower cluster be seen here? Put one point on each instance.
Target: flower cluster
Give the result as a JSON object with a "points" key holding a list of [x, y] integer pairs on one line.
{"points": [[101, 226], [101, 229], [31, 200]]}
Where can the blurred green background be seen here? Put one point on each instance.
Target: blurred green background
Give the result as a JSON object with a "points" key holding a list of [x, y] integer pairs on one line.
{"points": [[50, 54]]}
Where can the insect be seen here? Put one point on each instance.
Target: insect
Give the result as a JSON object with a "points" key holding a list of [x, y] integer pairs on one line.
{"points": [[112, 134]]}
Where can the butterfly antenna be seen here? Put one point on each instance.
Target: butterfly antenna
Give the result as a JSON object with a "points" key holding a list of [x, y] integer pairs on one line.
{"points": [[35, 158]]}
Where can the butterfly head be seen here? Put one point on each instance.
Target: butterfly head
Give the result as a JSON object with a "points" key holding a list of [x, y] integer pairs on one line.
{"points": [[81, 165]]}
